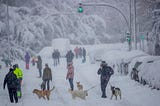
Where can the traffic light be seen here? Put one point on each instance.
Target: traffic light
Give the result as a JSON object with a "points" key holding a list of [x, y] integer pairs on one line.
{"points": [[80, 9], [128, 38]]}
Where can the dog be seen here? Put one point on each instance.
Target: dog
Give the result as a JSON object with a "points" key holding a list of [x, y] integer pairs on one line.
{"points": [[115, 92], [79, 86], [43, 93], [79, 93]]}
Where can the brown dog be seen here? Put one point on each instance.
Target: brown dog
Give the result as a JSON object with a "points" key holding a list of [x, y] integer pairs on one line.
{"points": [[43, 93], [79, 86]]}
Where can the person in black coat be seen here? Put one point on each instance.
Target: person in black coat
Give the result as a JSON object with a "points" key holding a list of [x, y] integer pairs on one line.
{"points": [[12, 84], [39, 66], [84, 55], [105, 71], [69, 56]]}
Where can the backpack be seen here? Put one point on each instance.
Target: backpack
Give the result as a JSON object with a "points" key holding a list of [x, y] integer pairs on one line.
{"points": [[12, 81]]}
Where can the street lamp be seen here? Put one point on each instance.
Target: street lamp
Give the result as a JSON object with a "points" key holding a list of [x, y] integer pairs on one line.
{"points": [[135, 25], [7, 20], [8, 29]]}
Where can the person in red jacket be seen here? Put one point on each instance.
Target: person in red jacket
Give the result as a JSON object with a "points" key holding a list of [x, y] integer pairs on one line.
{"points": [[70, 75]]}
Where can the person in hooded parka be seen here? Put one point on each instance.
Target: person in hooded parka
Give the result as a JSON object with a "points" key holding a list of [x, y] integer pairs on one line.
{"points": [[12, 84]]}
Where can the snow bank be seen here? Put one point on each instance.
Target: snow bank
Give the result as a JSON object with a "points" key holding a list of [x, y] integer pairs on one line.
{"points": [[46, 52]]}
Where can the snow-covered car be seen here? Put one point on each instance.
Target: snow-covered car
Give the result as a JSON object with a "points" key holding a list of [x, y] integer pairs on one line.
{"points": [[147, 70]]}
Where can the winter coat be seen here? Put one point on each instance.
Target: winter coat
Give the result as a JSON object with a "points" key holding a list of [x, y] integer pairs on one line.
{"points": [[18, 72], [105, 72], [69, 56], [47, 74], [70, 73], [27, 58], [84, 52], [39, 63], [54, 55], [11, 80], [76, 50]]}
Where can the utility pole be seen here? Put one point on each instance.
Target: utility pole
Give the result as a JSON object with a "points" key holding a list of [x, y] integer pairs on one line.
{"points": [[135, 25], [8, 29], [130, 25], [7, 19]]}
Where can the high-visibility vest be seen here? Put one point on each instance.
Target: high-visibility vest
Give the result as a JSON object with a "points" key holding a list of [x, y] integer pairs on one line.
{"points": [[18, 72]]}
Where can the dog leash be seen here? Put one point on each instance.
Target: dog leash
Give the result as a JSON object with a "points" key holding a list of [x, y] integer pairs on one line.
{"points": [[91, 87], [109, 83]]}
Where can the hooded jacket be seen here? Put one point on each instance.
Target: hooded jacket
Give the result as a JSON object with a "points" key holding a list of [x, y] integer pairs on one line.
{"points": [[11, 80]]}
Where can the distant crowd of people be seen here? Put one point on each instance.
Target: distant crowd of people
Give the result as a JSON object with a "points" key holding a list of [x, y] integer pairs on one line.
{"points": [[80, 53]]}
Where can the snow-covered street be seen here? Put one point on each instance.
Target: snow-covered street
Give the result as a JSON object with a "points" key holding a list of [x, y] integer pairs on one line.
{"points": [[133, 93], [98, 42]]}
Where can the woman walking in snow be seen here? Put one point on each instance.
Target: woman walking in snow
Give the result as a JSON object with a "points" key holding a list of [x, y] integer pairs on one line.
{"points": [[27, 60], [70, 75]]}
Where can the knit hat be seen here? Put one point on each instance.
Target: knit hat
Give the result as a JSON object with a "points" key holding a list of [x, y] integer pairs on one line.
{"points": [[46, 65], [103, 63]]}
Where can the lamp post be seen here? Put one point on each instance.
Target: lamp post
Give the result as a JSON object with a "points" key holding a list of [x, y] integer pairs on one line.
{"points": [[7, 19], [8, 29], [135, 25], [130, 23]]}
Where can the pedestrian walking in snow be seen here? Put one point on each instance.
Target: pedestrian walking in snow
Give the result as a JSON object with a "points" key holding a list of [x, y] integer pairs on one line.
{"points": [[80, 52], [33, 61], [105, 71], [19, 74], [12, 83], [47, 76], [70, 75], [76, 51], [54, 58], [27, 60], [58, 56], [69, 56], [39, 66], [84, 55]]}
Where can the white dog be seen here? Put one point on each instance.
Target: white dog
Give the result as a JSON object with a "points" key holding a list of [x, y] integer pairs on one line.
{"points": [[79, 93]]}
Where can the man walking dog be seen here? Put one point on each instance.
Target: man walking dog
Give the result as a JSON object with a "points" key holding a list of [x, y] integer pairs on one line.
{"points": [[105, 71]]}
